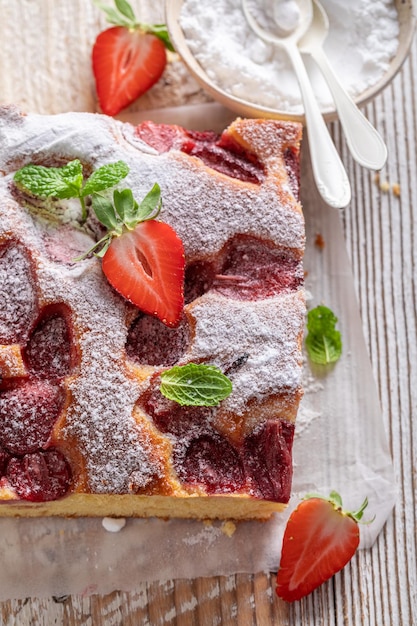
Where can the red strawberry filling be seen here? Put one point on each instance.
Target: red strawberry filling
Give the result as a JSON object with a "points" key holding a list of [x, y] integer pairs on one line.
{"points": [[30, 407], [4, 459], [27, 415], [17, 294], [170, 417], [248, 269], [261, 463], [212, 462], [252, 270], [292, 164], [162, 137], [40, 476], [267, 454], [216, 151], [48, 352], [152, 342], [28, 412], [199, 277]]}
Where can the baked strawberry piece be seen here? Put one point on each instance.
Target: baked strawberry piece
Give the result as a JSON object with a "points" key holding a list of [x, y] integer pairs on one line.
{"points": [[150, 337]]}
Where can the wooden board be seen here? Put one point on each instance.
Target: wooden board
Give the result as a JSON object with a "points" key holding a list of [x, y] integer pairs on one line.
{"points": [[41, 70]]}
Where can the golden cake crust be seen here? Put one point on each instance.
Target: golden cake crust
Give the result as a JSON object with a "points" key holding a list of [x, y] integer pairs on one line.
{"points": [[120, 448]]}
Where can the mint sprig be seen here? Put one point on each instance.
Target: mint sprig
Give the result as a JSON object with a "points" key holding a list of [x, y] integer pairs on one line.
{"points": [[122, 14], [68, 181], [60, 182], [323, 341], [195, 385], [105, 177]]}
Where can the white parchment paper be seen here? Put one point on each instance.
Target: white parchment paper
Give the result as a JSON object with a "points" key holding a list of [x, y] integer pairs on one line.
{"points": [[339, 444]]}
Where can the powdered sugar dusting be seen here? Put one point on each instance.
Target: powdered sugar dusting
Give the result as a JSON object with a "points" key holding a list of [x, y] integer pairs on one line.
{"points": [[264, 331], [206, 209], [362, 40], [17, 297], [224, 209]]}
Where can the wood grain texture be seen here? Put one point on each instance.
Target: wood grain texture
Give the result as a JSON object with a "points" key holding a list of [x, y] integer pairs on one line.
{"points": [[379, 586]]}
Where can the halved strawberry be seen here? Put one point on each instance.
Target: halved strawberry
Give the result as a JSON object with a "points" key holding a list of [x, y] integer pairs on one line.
{"points": [[128, 58], [143, 258], [319, 540], [125, 65], [146, 266]]}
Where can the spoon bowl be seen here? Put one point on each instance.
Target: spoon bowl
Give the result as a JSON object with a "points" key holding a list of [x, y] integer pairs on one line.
{"points": [[318, 29], [365, 144], [328, 170], [277, 32]]}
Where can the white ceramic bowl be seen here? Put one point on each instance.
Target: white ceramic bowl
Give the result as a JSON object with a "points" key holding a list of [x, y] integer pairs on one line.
{"points": [[407, 21]]}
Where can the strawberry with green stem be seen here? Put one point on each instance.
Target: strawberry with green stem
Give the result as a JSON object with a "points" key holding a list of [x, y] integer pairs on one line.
{"points": [[142, 257], [128, 59], [319, 540]]}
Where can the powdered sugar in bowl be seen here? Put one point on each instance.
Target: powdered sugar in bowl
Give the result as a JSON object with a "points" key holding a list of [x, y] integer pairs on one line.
{"points": [[367, 44]]}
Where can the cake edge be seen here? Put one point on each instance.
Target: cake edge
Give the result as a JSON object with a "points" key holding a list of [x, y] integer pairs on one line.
{"points": [[227, 507]]}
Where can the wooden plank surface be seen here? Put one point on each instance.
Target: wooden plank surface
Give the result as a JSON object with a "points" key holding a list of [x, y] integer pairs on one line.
{"points": [[40, 69]]}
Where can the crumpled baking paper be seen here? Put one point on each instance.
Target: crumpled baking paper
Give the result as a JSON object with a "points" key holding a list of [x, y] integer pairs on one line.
{"points": [[340, 444]]}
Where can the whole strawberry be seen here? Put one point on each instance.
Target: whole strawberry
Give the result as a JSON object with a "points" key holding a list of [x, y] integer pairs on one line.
{"points": [[319, 540], [128, 58]]}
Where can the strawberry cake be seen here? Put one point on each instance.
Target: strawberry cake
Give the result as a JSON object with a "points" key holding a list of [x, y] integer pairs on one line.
{"points": [[85, 429]]}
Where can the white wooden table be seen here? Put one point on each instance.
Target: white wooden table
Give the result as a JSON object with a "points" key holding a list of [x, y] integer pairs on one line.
{"points": [[44, 67]]}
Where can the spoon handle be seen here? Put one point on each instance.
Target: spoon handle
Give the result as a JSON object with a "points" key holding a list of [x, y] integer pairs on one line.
{"points": [[365, 143], [328, 170]]}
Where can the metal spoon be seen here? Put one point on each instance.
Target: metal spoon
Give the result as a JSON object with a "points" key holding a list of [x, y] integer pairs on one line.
{"points": [[365, 144], [328, 170]]}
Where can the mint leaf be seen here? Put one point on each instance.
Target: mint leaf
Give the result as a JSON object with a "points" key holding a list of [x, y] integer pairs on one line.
{"points": [[160, 31], [67, 182], [113, 16], [59, 182], [101, 245], [123, 15], [105, 213], [72, 174], [150, 205], [130, 212], [105, 177], [106, 244], [323, 341], [126, 207], [195, 385], [125, 9]]}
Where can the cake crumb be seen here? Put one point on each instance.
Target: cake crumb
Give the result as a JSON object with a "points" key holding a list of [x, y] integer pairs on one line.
{"points": [[228, 528], [396, 190], [385, 186], [319, 241], [113, 525]]}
